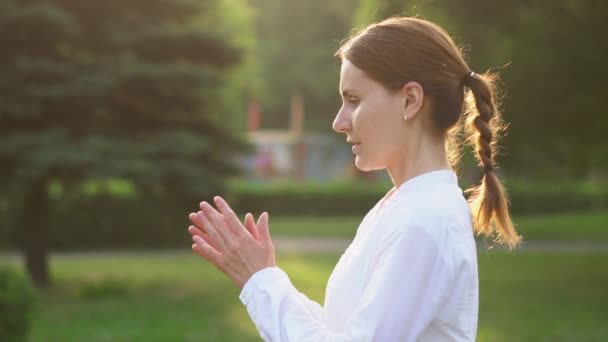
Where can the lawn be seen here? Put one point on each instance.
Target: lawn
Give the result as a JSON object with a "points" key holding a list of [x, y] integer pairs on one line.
{"points": [[169, 296], [587, 226]]}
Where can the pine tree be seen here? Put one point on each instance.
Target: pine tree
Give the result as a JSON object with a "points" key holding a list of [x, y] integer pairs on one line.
{"points": [[108, 89]]}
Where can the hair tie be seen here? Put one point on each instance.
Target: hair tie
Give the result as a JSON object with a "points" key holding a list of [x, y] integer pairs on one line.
{"points": [[466, 79], [488, 168]]}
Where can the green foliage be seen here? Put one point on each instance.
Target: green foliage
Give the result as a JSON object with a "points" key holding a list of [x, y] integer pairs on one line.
{"points": [[554, 197], [297, 40], [370, 11], [112, 94], [342, 198], [235, 20], [113, 89], [17, 298], [124, 219], [325, 199]]}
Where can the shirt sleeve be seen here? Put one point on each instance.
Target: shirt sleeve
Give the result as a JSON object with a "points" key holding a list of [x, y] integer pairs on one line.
{"points": [[405, 291]]}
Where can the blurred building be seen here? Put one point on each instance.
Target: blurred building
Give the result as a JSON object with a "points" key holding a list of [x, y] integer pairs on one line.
{"points": [[294, 154], [305, 156]]}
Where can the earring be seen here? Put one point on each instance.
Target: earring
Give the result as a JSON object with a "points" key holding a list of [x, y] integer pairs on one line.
{"points": [[405, 118]]}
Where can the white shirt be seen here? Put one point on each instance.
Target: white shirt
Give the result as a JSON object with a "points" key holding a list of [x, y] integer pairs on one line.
{"points": [[410, 274]]}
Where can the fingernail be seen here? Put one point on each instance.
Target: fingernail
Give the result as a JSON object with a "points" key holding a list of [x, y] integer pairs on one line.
{"points": [[196, 238]]}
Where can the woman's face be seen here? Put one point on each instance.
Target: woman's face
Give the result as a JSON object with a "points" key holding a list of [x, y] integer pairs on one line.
{"points": [[370, 116]]}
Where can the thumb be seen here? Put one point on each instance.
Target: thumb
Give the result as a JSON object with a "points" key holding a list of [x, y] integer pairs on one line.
{"points": [[251, 227], [264, 229]]}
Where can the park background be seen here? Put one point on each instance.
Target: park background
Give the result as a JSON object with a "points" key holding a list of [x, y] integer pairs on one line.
{"points": [[118, 117]]}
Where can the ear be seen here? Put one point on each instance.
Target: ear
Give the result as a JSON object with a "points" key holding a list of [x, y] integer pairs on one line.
{"points": [[412, 96]]}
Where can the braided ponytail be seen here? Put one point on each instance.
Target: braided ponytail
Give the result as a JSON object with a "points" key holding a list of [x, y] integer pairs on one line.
{"points": [[401, 49], [483, 128]]}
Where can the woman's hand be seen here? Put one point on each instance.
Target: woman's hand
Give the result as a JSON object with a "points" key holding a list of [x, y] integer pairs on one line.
{"points": [[238, 251]]}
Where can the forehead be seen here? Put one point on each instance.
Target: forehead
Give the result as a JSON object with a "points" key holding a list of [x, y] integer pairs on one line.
{"points": [[352, 77]]}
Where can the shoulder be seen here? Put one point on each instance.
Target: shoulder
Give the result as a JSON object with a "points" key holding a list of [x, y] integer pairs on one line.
{"points": [[443, 218], [432, 211], [401, 222], [442, 204]]}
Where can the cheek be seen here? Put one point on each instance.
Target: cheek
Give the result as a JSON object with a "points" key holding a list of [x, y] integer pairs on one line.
{"points": [[363, 120], [377, 124], [387, 135], [375, 120]]}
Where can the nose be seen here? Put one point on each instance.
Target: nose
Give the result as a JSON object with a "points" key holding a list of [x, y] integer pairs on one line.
{"points": [[342, 123]]}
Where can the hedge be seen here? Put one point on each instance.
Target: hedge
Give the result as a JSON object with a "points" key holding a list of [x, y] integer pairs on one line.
{"points": [[131, 222]]}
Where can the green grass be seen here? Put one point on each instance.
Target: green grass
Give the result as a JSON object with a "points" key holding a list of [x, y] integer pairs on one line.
{"points": [[179, 297], [588, 226]]}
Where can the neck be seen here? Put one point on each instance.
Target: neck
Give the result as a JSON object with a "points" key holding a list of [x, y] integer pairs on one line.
{"points": [[423, 154]]}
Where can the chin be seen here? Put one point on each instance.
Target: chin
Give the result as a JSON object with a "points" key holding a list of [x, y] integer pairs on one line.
{"points": [[365, 167]]}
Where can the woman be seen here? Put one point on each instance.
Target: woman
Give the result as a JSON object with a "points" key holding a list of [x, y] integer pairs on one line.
{"points": [[410, 274]]}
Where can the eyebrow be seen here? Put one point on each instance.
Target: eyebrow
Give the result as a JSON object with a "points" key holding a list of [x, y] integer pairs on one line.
{"points": [[346, 92]]}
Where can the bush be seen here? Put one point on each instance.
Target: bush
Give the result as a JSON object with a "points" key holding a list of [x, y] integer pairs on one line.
{"points": [[320, 199], [16, 301], [153, 222], [345, 198], [536, 197]]}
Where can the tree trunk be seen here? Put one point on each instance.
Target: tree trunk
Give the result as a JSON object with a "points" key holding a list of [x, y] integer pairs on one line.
{"points": [[34, 233], [581, 163]]}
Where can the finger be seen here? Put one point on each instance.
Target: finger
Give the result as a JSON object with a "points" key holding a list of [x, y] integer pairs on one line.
{"points": [[197, 221], [200, 230], [264, 229], [217, 222], [250, 225], [213, 231], [195, 231], [206, 251], [232, 221]]}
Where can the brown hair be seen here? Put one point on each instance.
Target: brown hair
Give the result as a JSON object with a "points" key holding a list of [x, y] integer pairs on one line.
{"points": [[402, 49]]}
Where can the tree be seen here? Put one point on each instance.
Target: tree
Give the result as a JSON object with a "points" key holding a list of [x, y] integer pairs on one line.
{"points": [[297, 40], [110, 89]]}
